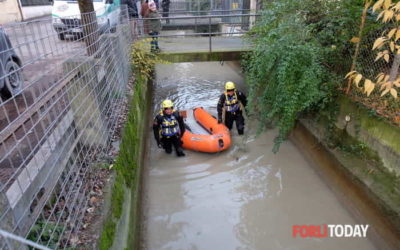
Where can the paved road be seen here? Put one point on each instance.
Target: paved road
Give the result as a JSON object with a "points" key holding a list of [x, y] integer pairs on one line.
{"points": [[41, 52], [42, 55]]}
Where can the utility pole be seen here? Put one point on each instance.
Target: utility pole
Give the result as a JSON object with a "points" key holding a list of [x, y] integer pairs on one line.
{"points": [[89, 26]]}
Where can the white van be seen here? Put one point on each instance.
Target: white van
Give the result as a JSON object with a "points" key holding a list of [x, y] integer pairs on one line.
{"points": [[66, 16]]}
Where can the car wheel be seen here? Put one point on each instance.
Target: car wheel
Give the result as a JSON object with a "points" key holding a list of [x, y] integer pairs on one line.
{"points": [[79, 36], [14, 80], [61, 36]]}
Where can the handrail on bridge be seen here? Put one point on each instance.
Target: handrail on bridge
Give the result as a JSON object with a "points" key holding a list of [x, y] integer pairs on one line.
{"points": [[205, 11], [200, 17], [210, 33]]}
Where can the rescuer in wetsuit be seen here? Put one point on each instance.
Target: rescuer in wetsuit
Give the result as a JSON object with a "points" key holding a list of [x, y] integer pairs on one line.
{"points": [[230, 107], [168, 128]]}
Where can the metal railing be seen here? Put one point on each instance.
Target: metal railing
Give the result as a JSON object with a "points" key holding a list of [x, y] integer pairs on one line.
{"points": [[66, 82], [12, 240], [206, 33], [208, 12], [204, 5]]}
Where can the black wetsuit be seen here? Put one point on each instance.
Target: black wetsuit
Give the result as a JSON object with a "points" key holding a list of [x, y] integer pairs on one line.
{"points": [[233, 111], [168, 130]]}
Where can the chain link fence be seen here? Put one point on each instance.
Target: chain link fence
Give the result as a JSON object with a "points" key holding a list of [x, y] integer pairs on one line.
{"points": [[366, 64], [63, 87]]}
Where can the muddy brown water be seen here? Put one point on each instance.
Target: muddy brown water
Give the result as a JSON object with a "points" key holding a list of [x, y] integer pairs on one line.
{"points": [[244, 198]]}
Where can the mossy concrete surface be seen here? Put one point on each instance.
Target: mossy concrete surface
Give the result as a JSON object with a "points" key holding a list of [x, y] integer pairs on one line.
{"points": [[378, 135], [338, 171], [121, 226], [203, 56], [366, 150]]}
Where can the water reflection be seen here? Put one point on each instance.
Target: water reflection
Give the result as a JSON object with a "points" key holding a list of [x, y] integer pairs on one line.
{"points": [[189, 89]]}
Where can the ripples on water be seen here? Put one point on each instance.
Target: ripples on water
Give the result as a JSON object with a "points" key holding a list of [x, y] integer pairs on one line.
{"points": [[189, 89], [243, 198]]}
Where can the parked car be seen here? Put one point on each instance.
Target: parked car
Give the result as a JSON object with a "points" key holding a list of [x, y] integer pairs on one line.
{"points": [[11, 79], [67, 18]]}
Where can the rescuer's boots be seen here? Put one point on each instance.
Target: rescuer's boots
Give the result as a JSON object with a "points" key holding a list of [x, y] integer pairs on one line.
{"points": [[179, 152]]}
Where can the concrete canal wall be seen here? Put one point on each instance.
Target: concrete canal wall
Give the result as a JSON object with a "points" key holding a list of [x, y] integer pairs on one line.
{"points": [[358, 154]]}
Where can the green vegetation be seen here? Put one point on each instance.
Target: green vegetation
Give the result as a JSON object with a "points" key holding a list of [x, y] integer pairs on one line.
{"points": [[339, 138], [367, 167], [129, 160], [387, 48], [46, 232], [376, 125], [356, 145], [107, 235], [117, 198], [200, 6], [126, 163], [297, 61], [143, 60]]}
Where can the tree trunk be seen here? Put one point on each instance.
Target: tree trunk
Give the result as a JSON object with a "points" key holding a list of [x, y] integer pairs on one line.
{"points": [[394, 70], [89, 26], [357, 50]]}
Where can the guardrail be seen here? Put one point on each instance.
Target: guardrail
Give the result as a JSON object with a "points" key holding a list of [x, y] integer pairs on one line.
{"points": [[220, 30]]}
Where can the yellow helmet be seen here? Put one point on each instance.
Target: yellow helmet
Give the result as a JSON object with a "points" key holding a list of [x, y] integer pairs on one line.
{"points": [[167, 104], [229, 86]]}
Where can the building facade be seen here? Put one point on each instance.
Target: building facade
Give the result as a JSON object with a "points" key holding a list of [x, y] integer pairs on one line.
{"points": [[19, 10]]}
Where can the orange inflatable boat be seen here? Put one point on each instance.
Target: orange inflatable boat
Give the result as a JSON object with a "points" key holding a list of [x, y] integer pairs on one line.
{"points": [[218, 140]]}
